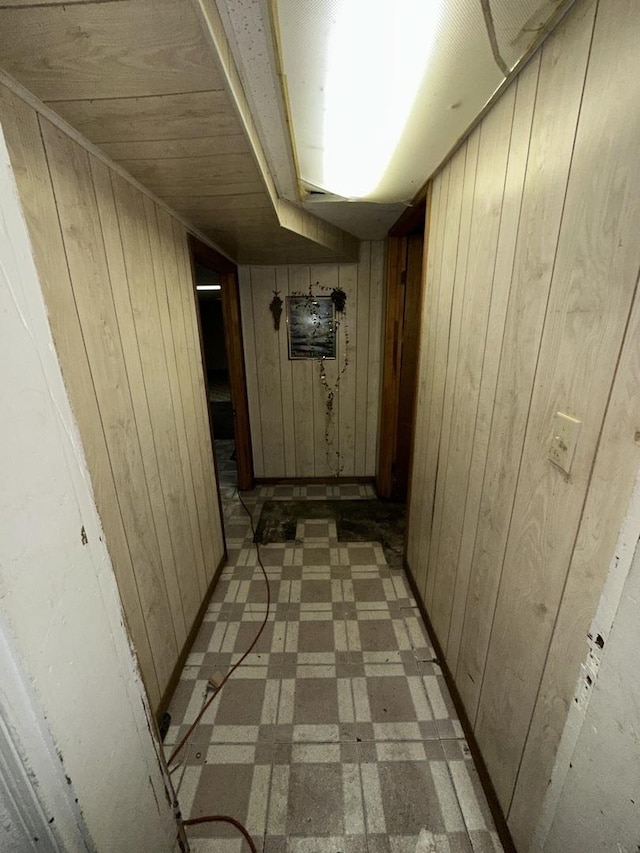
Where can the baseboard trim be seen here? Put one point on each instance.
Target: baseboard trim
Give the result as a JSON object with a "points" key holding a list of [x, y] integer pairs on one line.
{"points": [[188, 643], [314, 481], [483, 773]]}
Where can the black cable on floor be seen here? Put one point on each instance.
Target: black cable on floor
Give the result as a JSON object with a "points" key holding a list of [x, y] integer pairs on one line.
{"points": [[181, 744]]}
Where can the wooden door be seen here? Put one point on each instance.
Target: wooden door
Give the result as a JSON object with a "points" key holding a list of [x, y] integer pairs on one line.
{"points": [[400, 358]]}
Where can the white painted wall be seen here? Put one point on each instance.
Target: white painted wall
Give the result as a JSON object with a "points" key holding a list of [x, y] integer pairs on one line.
{"points": [[71, 696]]}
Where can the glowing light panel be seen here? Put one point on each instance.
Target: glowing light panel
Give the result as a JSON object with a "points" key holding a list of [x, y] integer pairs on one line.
{"points": [[378, 52]]}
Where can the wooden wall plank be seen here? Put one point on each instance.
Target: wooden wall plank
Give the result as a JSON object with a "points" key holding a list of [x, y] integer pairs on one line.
{"points": [[347, 339], [105, 265], [22, 132], [553, 133], [580, 345], [524, 549], [409, 367], [287, 400], [602, 246], [326, 415], [172, 239], [446, 357], [303, 376], [286, 381], [124, 49], [85, 237], [182, 489], [392, 360], [516, 169], [134, 288], [419, 498], [437, 359], [376, 301], [611, 487], [361, 357], [201, 532], [267, 342], [253, 388], [460, 284], [493, 153]]}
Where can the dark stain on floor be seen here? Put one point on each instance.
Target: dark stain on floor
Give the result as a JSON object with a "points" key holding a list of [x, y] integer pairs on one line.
{"points": [[356, 521]]}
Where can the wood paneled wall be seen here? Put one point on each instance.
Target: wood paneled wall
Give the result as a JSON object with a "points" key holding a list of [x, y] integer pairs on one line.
{"points": [[287, 400], [116, 275], [530, 308]]}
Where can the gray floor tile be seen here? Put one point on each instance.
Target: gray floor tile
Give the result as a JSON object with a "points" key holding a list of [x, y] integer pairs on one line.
{"points": [[337, 733]]}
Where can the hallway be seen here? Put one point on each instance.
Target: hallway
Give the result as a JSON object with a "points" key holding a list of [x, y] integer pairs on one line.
{"points": [[337, 733]]}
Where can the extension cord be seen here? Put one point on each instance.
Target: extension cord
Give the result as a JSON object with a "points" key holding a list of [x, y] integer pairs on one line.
{"points": [[216, 683]]}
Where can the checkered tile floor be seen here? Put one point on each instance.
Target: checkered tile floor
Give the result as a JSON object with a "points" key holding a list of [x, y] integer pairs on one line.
{"points": [[337, 734]]}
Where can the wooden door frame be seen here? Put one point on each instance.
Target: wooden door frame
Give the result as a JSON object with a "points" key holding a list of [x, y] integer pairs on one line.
{"points": [[230, 293], [416, 218]]}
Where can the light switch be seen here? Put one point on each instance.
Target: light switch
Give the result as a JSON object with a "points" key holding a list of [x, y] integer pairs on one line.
{"points": [[564, 440]]}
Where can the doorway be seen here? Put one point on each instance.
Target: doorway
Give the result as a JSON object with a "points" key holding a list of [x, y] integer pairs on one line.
{"points": [[218, 303], [405, 255]]}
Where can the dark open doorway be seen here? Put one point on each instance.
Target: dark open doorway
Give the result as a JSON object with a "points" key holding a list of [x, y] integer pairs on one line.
{"points": [[218, 301]]}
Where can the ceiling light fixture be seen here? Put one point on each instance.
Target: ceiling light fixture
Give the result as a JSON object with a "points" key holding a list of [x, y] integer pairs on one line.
{"points": [[208, 287], [378, 52]]}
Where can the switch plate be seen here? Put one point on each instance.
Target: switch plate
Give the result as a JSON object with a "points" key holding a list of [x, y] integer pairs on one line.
{"points": [[564, 440]]}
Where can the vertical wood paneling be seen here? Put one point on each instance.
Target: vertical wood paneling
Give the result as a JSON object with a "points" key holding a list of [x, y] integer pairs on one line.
{"points": [[552, 136], [172, 238], [180, 488], [495, 134], [612, 483], [374, 353], [287, 400], [448, 281], [97, 311], [263, 283], [326, 412], [361, 365], [195, 368], [117, 299], [461, 279], [130, 306], [441, 314], [304, 375], [419, 496], [518, 550], [456, 271], [176, 359], [593, 285], [253, 390], [348, 281], [286, 382], [455, 596], [22, 132]]}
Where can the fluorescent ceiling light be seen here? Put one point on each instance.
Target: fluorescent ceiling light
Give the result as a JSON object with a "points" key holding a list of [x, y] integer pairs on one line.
{"points": [[377, 57], [208, 287]]}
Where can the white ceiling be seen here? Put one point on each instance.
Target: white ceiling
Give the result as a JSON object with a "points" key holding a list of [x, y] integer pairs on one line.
{"points": [[476, 46]]}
